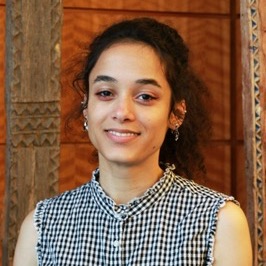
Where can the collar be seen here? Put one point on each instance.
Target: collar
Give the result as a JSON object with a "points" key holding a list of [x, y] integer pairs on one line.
{"points": [[137, 205]]}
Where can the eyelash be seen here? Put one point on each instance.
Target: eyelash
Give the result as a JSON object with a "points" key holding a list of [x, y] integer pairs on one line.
{"points": [[143, 98], [146, 97], [105, 94]]}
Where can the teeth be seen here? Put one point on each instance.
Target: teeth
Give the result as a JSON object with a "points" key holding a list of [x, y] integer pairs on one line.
{"points": [[119, 134]]}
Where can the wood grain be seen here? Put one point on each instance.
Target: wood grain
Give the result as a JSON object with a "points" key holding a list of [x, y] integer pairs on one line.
{"points": [[2, 191], [238, 107], [32, 110], [262, 6], [76, 164], [2, 123], [2, 87], [205, 26], [209, 56], [197, 6], [217, 158], [240, 180]]}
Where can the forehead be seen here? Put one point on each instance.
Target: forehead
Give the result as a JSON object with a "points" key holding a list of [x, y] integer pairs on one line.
{"points": [[130, 48], [129, 56]]}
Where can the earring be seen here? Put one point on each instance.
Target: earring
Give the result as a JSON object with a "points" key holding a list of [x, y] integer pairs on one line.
{"points": [[175, 132], [85, 125], [84, 102]]}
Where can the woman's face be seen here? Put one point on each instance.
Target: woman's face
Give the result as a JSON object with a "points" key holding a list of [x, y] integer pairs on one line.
{"points": [[129, 104]]}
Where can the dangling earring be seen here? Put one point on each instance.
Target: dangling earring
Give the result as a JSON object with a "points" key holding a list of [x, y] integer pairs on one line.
{"points": [[85, 125], [175, 132]]}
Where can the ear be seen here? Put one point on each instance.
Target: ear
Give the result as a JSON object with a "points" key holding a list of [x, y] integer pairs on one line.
{"points": [[85, 113], [177, 115], [84, 106]]}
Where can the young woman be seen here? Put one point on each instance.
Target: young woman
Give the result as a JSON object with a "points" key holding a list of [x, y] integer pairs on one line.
{"points": [[144, 113]]}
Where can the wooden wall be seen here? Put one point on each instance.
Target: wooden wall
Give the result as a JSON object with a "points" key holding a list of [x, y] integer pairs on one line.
{"points": [[210, 28], [2, 118]]}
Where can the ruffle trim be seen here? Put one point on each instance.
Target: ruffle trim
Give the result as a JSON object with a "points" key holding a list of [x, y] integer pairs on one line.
{"points": [[38, 222], [221, 204], [160, 184]]}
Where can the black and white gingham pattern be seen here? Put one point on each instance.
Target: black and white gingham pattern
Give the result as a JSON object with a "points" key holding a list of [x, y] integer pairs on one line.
{"points": [[174, 223]]}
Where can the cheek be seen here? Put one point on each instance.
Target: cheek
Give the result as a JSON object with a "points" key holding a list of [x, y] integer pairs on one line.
{"points": [[158, 128], [94, 114], [160, 120]]}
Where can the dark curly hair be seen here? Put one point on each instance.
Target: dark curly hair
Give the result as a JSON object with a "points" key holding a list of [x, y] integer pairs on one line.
{"points": [[186, 153]]}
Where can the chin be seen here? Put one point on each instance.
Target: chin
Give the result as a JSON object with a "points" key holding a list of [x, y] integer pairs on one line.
{"points": [[122, 160]]}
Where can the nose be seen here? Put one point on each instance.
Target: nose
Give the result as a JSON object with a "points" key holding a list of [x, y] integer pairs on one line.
{"points": [[123, 110]]}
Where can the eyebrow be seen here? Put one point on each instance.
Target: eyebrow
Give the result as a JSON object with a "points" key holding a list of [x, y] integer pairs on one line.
{"points": [[148, 81], [144, 81], [104, 78]]}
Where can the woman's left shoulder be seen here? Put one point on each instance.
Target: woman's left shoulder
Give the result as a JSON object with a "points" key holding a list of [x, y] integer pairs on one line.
{"points": [[202, 192], [232, 239]]}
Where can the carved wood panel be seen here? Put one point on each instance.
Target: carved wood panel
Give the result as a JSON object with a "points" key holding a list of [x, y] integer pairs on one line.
{"points": [[33, 44], [2, 118], [30, 141], [2, 105], [253, 60]]}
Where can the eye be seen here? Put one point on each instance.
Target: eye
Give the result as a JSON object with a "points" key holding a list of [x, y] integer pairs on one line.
{"points": [[146, 97], [104, 95]]}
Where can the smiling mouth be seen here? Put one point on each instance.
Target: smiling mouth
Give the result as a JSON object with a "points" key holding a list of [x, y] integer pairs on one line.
{"points": [[122, 134]]}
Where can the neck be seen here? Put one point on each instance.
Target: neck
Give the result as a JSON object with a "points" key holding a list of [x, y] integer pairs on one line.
{"points": [[124, 183]]}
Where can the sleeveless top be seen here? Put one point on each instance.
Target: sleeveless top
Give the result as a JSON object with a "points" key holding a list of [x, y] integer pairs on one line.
{"points": [[173, 223]]}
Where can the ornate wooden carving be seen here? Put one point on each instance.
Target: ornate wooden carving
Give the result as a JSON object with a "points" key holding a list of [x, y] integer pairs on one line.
{"points": [[33, 46], [254, 123]]}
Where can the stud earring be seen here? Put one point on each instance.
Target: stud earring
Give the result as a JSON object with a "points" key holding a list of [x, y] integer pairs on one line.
{"points": [[175, 132], [85, 125], [84, 102]]}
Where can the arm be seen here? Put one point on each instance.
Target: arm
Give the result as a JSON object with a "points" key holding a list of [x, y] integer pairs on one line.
{"points": [[232, 240], [25, 253]]}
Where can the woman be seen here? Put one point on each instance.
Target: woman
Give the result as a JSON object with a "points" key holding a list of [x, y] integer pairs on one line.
{"points": [[144, 113]]}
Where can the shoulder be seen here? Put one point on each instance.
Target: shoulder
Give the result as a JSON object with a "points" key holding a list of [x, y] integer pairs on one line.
{"points": [[25, 253], [227, 224], [63, 204], [200, 192], [232, 239], [66, 198]]}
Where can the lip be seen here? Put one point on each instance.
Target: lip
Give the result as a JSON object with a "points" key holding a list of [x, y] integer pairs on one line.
{"points": [[121, 135]]}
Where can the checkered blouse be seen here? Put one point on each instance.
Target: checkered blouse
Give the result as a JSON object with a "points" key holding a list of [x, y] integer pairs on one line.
{"points": [[173, 223]]}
